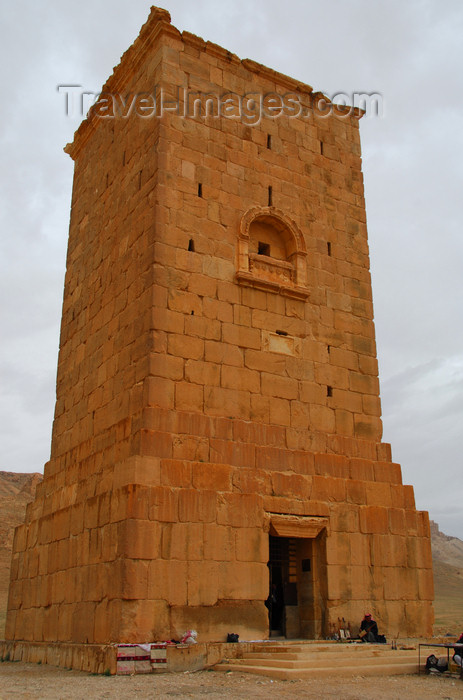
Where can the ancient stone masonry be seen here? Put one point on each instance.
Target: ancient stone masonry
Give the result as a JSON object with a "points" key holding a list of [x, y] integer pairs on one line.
{"points": [[217, 427]]}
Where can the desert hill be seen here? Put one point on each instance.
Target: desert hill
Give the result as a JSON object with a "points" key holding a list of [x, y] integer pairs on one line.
{"points": [[17, 490], [447, 556]]}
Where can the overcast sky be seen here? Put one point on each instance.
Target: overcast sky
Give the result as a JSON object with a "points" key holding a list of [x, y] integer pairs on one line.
{"points": [[409, 51]]}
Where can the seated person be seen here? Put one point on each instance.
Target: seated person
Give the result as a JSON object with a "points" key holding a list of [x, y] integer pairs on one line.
{"points": [[458, 655], [369, 629]]}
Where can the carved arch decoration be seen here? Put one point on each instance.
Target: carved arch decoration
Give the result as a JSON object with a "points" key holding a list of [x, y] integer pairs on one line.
{"points": [[272, 253]]}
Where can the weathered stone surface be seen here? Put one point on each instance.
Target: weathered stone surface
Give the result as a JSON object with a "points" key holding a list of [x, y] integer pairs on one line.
{"points": [[217, 367]]}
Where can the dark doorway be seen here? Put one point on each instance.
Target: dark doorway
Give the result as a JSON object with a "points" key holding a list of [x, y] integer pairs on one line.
{"points": [[282, 582]]}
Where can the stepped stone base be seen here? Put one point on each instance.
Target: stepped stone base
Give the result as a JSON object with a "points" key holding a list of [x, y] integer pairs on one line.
{"points": [[281, 660], [93, 658], [289, 661]]}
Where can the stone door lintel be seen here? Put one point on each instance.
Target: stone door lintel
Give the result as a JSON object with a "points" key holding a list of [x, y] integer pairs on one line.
{"points": [[296, 525]]}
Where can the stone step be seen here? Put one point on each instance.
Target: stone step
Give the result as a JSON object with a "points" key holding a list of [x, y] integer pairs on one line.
{"points": [[386, 669], [334, 647], [321, 663], [316, 654]]}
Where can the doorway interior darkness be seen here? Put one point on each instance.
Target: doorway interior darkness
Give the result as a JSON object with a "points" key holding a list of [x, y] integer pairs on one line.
{"points": [[282, 582]]}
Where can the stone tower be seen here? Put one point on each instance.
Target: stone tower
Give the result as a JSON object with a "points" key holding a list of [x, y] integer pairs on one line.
{"points": [[217, 430]]}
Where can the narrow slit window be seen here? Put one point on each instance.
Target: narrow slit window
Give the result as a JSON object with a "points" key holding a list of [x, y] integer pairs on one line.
{"points": [[269, 141], [321, 147], [200, 189], [191, 245], [270, 196], [263, 248], [329, 391], [328, 245]]}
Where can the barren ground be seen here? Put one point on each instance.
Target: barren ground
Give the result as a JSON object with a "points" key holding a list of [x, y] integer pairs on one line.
{"points": [[18, 680]]}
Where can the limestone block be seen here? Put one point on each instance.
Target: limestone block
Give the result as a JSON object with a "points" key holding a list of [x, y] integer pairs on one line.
{"points": [[371, 405], [219, 542], [183, 541], [368, 427], [397, 524], [144, 619], [363, 383], [260, 408], [137, 470], [411, 521], [245, 431], [338, 549], [279, 411], [159, 391], [167, 580], [206, 328], [388, 472], [197, 506], [175, 472], [188, 396], [251, 545], [291, 485], [82, 622], [344, 422], [239, 510], [152, 443], [203, 581], [409, 497], [234, 403], [252, 481], [344, 517], [419, 552], [331, 465], [238, 454], [216, 477], [322, 418], [419, 618], [384, 452], [360, 582], [240, 335], [129, 579], [426, 584], [328, 489], [337, 582], [242, 581], [423, 527], [10, 625], [139, 539], [388, 550], [359, 549], [356, 492], [299, 415], [373, 519], [346, 400], [190, 447], [199, 372], [398, 498], [248, 618], [103, 621], [216, 352], [378, 494]]}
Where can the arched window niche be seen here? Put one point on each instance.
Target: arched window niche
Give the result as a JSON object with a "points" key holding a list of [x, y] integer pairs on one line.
{"points": [[272, 253]]}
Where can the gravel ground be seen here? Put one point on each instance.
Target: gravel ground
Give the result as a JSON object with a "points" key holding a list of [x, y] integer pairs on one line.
{"points": [[18, 680]]}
